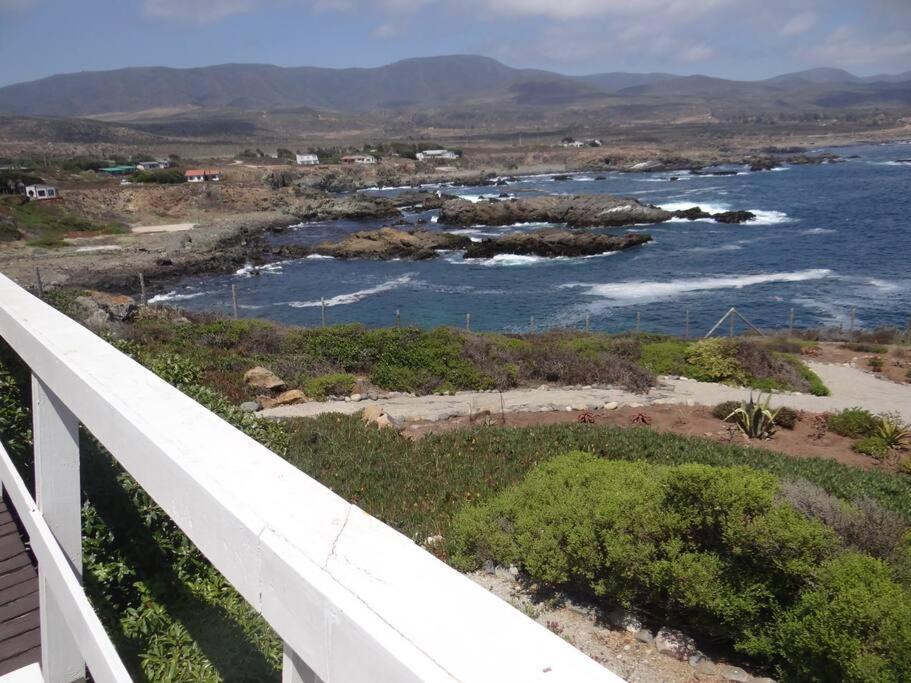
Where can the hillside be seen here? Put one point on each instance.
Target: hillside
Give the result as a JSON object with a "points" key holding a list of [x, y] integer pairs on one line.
{"points": [[418, 85]]}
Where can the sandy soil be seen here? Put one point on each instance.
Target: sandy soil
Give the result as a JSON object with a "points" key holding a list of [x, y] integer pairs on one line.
{"points": [[172, 227]]}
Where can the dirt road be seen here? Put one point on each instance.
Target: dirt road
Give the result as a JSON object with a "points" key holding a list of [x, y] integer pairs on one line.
{"points": [[849, 386]]}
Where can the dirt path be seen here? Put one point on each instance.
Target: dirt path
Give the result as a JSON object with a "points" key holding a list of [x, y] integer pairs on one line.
{"points": [[849, 386]]}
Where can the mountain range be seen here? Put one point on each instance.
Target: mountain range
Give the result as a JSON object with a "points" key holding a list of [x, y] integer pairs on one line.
{"points": [[427, 83]]}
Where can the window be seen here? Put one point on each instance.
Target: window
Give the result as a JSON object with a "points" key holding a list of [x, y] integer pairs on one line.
{"points": [[42, 193]]}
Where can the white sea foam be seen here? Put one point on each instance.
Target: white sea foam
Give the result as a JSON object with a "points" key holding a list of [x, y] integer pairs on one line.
{"points": [[174, 296], [642, 291], [713, 250], [353, 297], [818, 231], [320, 257], [249, 270], [519, 259], [769, 217], [705, 206]]}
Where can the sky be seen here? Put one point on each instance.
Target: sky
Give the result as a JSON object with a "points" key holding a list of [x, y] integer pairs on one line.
{"points": [[742, 39]]}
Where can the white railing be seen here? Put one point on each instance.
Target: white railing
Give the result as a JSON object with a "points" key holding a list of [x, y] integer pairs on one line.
{"points": [[352, 599]]}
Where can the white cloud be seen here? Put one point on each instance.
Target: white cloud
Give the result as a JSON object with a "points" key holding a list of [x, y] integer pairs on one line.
{"points": [[697, 53], [197, 11], [799, 23]]}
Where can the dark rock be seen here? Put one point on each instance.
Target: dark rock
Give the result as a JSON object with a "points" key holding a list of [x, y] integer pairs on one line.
{"points": [[574, 211], [732, 217], [553, 243], [389, 243], [692, 214], [561, 177]]}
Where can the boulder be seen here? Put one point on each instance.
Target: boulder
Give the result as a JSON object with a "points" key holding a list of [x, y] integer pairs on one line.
{"points": [[98, 308], [371, 413], [692, 214], [289, 398], [249, 406], [675, 644], [262, 378], [733, 673], [624, 619], [553, 243]]}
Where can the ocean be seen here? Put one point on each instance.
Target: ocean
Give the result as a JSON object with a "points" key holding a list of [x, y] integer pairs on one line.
{"points": [[829, 242]]}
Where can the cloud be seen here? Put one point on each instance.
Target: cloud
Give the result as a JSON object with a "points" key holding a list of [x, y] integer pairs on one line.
{"points": [[196, 11], [581, 9], [799, 23], [846, 46], [697, 53]]}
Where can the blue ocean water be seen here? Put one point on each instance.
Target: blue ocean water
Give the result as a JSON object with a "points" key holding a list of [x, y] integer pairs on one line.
{"points": [[827, 240]]}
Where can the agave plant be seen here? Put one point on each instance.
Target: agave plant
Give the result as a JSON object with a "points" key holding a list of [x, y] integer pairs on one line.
{"points": [[893, 432], [754, 418]]}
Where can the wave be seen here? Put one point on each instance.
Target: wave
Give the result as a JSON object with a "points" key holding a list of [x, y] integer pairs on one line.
{"points": [[174, 296], [705, 206], [352, 297], [249, 270], [713, 250], [320, 257], [520, 259], [642, 291], [763, 216], [818, 231], [769, 217]]}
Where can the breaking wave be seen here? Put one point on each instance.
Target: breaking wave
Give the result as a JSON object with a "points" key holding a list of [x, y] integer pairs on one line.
{"points": [[174, 296], [352, 297], [640, 291]]}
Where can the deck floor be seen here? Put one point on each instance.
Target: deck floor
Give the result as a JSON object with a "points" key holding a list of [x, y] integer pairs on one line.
{"points": [[20, 637]]}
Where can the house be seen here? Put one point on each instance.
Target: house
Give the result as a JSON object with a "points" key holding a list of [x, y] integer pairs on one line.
{"points": [[358, 159], [202, 175], [41, 192], [429, 154], [117, 170], [307, 159], [153, 164]]}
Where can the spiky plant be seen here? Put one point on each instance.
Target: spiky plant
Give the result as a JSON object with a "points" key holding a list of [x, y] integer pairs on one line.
{"points": [[892, 430], [755, 418]]}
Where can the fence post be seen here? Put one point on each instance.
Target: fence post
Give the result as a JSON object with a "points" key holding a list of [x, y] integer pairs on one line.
{"points": [[322, 311], [468, 322], [638, 320], [686, 324], [39, 283], [142, 289], [731, 325], [853, 316], [294, 669], [532, 324], [398, 319], [57, 493], [791, 324], [234, 300]]}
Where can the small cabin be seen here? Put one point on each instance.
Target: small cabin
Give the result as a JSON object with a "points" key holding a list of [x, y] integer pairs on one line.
{"points": [[358, 159], [40, 191], [307, 159], [429, 154], [203, 175]]}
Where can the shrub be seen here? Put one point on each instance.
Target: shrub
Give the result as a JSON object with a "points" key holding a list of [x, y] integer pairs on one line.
{"points": [[816, 386], [668, 357], [864, 347], [786, 417], [755, 419], [686, 540], [712, 360], [876, 364], [337, 384], [164, 176], [175, 369], [874, 446], [724, 409], [852, 422], [853, 624]]}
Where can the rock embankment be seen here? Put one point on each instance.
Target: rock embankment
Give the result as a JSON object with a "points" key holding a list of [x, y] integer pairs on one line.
{"points": [[553, 243], [580, 211], [389, 243]]}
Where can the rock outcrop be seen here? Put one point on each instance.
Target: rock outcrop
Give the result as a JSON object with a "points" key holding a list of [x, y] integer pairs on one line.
{"points": [[389, 243], [578, 211], [553, 243]]}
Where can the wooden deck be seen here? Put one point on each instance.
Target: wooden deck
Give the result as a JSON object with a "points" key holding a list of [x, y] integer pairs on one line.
{"points": [[20, 637]]}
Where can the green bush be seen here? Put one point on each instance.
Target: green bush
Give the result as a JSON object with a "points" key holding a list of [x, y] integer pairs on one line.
{"points": [[873, 446], [175, 369], [709, 545], [713, 360], [163, 176], [852, 624], [668, 357], [724, 409], [338, 384], [786, 417], [852, 422], [864, 347]]}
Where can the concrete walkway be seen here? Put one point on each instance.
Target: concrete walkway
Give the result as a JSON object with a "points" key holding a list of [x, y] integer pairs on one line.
{"points": [[849, 386]]}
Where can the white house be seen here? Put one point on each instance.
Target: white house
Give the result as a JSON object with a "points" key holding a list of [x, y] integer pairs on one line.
{"points": [[429, 154], [154, 164], [41, 191], [307, 159], [202, 175], [358, 159]]}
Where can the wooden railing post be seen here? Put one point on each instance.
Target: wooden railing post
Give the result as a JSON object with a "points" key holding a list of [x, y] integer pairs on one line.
{"points": [[57, 493], [295, 670]]}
